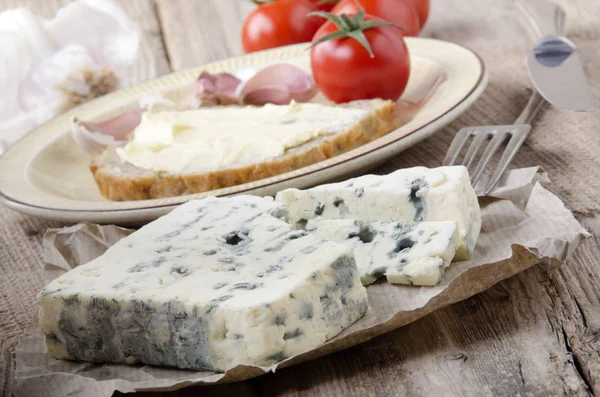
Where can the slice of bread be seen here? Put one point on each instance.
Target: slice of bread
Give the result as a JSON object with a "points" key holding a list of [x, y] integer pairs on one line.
{"points": [[118, 180]]}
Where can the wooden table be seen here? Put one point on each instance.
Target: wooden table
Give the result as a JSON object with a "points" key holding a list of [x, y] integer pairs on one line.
{"points": [[534, 334]]}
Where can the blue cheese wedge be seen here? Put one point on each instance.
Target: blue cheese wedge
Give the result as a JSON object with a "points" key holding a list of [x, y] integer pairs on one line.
{"points": [[411, 195], [404, 253], [213, 284]]}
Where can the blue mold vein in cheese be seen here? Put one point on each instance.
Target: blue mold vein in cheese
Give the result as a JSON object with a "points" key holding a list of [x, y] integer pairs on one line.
{"points": [[214, 284]]}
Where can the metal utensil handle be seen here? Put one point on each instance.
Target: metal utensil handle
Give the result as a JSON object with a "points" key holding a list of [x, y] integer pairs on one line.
{"points": [[547, 19], [531, 109]]}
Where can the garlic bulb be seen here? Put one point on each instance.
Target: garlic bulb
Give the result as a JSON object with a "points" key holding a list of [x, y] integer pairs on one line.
{"points": [[51, 65]]}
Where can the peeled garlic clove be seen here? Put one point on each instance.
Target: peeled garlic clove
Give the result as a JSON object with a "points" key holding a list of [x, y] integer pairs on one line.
{"points": [[92, 142], [211, 90], [118, 127], [279, 84]]}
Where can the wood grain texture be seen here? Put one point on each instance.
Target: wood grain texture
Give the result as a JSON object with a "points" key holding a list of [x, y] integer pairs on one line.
{"points": [[198, 32], [536, 334]]}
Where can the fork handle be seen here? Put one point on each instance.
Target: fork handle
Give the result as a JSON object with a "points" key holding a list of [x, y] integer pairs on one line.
{"points": [[531, 109], [545, 17]]}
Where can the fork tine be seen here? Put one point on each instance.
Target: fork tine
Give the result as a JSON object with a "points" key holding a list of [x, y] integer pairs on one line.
{"points": [[493, 146], [510, 151], [480, 137], [456, 146]]}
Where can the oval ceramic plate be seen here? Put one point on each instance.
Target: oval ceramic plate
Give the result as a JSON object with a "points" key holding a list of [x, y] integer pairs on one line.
{"points": [[46, 174]]}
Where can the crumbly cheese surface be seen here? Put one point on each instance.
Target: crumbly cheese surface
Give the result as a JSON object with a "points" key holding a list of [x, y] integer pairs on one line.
{"points": [[213, 284], [411, 195], [211, 138], [404, 253]]}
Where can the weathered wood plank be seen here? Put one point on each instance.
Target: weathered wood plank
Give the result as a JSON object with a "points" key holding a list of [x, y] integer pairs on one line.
{"points": [[536, 333], [198, 32]]}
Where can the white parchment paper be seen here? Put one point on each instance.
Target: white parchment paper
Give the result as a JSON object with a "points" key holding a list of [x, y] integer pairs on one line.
{"points": [[523, 224]]}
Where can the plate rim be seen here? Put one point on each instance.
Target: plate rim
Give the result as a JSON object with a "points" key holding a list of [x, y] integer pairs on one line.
{"points": [[138, 213]]}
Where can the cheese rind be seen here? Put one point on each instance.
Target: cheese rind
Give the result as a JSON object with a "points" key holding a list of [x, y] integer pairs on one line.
{"points": [[404, 253], [412, 195], [214, 284]]}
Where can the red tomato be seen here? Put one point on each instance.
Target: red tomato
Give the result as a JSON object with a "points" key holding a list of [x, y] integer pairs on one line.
{"points": [[325, 7], [279, 23], [422, 7], [399, 12], [344, 71]]}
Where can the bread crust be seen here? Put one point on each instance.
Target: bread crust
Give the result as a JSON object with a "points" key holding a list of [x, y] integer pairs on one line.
{"points": [[116, 185]]}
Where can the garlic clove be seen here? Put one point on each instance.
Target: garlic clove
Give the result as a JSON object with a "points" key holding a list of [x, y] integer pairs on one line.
{"points": [[92, 142], [279, 84], [117, 127], [271, 93], [211, 90], [94, 138]]}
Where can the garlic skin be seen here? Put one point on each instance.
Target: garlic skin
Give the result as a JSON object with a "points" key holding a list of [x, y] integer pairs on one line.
{"points": [[119, 127], [94, 138], [92, 142], [49, 66]]}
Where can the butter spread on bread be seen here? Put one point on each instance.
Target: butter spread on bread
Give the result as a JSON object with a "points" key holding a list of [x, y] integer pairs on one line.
{"points": [[178, 153]]}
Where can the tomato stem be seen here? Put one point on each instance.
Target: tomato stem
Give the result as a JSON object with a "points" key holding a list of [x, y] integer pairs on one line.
{"points": [[351, 26], [261, 2], [325, 2]]}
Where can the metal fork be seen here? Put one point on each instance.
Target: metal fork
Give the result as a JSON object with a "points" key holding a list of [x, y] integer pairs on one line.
{"points": [[496, 135]]}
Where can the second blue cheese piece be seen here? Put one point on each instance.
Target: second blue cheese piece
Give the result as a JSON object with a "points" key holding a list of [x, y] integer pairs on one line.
{"points": [[411, 195], [404, 253], [214, 284]]}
